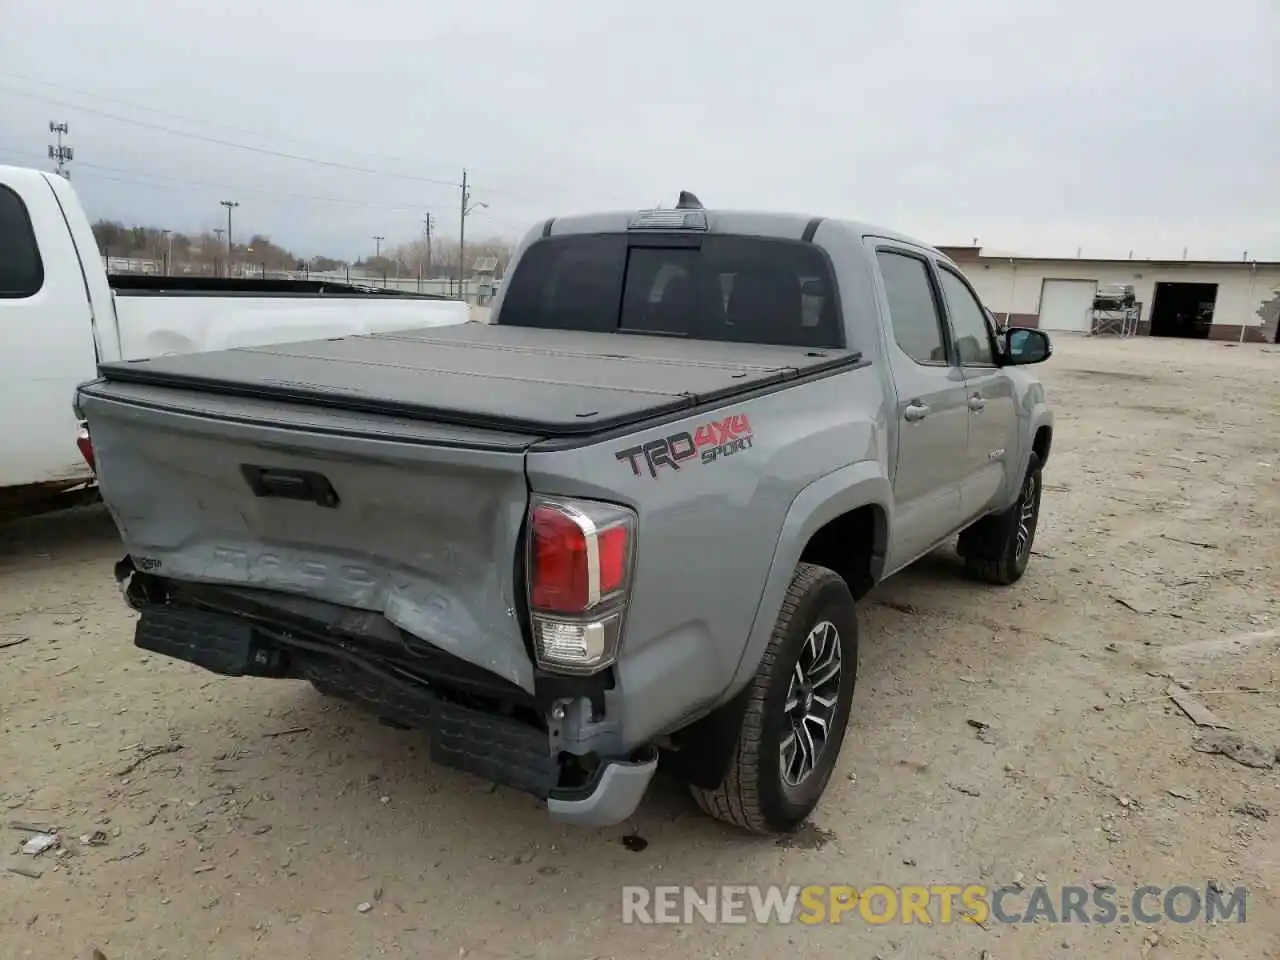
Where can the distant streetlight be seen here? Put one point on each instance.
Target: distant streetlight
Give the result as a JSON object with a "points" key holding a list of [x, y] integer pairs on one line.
{"points": [[377, 247], [230, 205]]}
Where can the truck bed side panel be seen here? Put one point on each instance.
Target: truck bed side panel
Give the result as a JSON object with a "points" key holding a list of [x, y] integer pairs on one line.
{"points": [[420, 525], [709, 527]]}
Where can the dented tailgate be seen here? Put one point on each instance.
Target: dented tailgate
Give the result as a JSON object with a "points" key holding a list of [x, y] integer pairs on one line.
{"points": [[411, 519]]}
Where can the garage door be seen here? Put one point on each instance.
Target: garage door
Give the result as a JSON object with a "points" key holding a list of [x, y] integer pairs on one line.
{"points": [[1067, 305]]}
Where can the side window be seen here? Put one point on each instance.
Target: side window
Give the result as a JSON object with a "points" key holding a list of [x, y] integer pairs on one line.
{"points": [[968, 320], [912, 310], [21, 272]]}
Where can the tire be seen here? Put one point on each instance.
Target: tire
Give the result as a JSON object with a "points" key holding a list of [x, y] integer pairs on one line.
{"points": [[998, 548], [760, 792]]}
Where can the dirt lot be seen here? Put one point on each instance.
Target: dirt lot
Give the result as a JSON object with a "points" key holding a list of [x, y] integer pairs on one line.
{"points": [[1158, 559]]}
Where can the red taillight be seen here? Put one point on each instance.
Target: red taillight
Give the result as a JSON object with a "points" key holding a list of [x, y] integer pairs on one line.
{"points": [[574, 564], [559, 579], [579, 573], [85, 445], [613, 548]]}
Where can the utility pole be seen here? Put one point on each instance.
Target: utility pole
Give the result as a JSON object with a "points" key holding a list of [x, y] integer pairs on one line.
{"points": [[61, 154], [426, 235], [466, 208], [462, 234], [167, 235], [377, 247], [230, 205]]}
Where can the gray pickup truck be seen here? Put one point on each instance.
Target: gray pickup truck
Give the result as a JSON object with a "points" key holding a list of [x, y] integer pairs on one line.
{"points": [[627, 520]]}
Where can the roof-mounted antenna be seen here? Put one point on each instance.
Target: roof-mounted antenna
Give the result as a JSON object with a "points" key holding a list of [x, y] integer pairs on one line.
{"points": [[688, 201]]}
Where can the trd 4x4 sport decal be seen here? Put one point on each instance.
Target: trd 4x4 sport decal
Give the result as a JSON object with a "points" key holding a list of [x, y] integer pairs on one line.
{"points": [[707, 443]]}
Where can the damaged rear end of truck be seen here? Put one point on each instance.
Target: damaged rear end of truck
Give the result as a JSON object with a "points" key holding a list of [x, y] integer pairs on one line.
{"points": [[361, 514]]}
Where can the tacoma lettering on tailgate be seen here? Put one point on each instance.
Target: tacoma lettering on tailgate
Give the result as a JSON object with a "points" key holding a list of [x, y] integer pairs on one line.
{"points": [[707, 443]]}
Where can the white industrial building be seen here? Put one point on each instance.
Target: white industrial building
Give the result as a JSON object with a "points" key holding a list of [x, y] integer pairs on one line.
{"points": [[1220, 300]]}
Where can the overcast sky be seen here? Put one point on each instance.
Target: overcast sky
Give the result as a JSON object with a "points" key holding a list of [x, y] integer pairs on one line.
{"points": [[1035, 126]]}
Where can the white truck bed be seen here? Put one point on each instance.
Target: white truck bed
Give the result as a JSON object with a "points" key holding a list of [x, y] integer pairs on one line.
{"points": [[60, 317]]}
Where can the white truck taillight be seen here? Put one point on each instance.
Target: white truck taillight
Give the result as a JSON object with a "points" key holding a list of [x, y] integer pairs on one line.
{"points": [[85, 444], [581, 554]]}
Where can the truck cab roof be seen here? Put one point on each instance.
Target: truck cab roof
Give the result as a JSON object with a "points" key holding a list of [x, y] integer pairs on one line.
{"points": [[759, 223]]}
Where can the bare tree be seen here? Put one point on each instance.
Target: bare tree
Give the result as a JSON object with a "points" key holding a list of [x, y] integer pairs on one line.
{"points": [[194, 254], [412, 256]]}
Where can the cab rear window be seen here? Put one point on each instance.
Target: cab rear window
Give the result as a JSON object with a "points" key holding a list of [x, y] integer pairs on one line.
{"points": [[737, 289]]}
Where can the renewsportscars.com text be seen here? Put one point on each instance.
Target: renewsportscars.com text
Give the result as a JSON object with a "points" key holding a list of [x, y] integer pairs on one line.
{"points": [[933, 904]]}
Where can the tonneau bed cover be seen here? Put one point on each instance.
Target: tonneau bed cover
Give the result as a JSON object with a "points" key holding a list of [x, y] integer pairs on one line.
{"points": [[549, 382]]}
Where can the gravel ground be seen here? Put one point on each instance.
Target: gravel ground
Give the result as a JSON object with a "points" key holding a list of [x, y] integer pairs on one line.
{"points": [[276, 815]]}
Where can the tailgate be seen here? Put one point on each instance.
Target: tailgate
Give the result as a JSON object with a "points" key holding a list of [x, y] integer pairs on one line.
{"points": [[415, 520]]}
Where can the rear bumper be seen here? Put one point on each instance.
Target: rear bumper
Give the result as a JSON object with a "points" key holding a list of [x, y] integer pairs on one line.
{"points": [[612, 796], [495, 738]]}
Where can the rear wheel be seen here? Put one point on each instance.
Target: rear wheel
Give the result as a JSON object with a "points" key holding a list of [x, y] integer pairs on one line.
{"points": [[998, 548], [797, 710]]}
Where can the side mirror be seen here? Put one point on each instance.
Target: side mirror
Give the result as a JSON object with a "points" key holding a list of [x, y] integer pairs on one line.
{"points": [[1026, 345]]}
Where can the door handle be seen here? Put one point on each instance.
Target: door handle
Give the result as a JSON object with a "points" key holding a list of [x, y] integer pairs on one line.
{"points": [[976, 402], [915, 412]]}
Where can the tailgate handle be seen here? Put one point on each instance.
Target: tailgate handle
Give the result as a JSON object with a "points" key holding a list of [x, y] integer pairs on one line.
{"points": [[290, 484]]}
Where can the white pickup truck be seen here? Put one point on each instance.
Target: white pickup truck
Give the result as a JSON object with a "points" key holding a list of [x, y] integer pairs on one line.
{"points": [[61, 315]]}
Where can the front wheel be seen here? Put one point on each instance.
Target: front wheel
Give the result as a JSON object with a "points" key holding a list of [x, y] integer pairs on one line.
{"points": [[997, 548], [797, 710]]}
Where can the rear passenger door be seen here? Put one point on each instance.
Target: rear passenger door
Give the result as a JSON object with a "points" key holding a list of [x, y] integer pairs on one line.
{"points": [[930, 411], [989, 395]]}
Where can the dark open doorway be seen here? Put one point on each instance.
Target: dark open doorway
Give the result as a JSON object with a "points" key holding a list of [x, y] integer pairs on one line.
{"points": [[1183, 309]]}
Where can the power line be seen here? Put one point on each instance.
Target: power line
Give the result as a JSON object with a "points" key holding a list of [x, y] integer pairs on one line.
{"points": [[231, 143], [185, 181], [244, 130], [133, 105], [150, 178], [90, 170]]}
